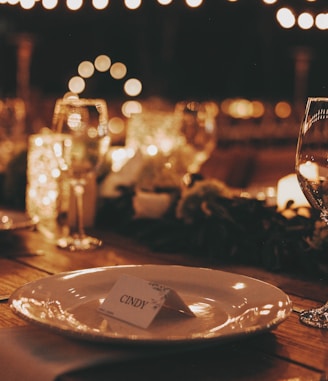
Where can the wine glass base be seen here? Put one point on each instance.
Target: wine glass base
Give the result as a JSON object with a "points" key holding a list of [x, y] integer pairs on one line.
{"points": [[315, 317], [79, 243]]}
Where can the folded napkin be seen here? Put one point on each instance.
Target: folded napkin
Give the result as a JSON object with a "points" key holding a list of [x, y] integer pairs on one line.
{"points": [[33, 354]]}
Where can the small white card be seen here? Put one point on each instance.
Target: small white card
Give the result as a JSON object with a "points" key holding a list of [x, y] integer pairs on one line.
{"points": [[138, 301]]}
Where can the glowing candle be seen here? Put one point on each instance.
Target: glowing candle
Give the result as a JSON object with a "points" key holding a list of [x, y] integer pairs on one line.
{"points": [[288, 189]]}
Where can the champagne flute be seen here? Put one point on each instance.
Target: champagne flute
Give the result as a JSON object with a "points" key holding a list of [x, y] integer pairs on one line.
{"points": [[197, 122], [83, 124], [312, 173]]}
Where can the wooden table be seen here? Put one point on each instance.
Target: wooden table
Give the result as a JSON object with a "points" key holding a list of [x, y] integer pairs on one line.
{"points": [[289, 352]]}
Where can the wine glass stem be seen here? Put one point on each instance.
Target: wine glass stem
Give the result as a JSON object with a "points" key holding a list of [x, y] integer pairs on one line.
{"points": [[78, 187]]}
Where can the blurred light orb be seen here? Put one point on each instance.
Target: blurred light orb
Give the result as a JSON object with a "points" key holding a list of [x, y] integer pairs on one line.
{"points": [[74, 5], [225, 104], [27, 4], [116, 125], [86, 69], [258, 109], [321, 21], [152, 150], [132, 4], [241, 109], [212, 108], [269, 1], [100, 4], [49, 4], [133, 87], [305, 20], [164, 2], [283, 110], [13, 2], [131, 107], [76, 85], [118, 70], [102, 63], [286, 18], [194, 3]]}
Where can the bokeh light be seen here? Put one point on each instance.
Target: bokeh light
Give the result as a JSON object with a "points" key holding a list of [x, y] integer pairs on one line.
{"points": [[27, 4], [100, 4], [305, 20], [74, 5], [76, 85], [283, 110], [164, 2], [194, 3], [133, 87], [102, 63], [49, 4], [118, 70], [131, 107], [321, 21], [132, 4], [116, 125], [86, 69], [286, 18]]}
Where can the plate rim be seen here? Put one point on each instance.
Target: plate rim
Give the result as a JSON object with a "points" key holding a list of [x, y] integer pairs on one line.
{"points": [[92, 337]]}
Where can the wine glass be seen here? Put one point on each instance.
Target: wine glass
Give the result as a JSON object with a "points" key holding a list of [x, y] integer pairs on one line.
{"points": [[83, 124], [197, 123], [312, 173]]}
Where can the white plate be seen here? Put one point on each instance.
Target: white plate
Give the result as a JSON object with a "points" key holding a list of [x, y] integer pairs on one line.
{"points": [[13, 220], [226, 305]]}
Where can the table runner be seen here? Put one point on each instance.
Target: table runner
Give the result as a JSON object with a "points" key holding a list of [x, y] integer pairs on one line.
{"points": [[32, 354]]}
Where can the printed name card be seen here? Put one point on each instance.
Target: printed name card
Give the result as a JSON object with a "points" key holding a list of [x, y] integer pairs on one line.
{"points": [[138, 301]]}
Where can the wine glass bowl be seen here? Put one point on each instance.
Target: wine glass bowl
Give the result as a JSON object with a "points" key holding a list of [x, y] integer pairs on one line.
{"points": [[312, 173], [83, 125]]}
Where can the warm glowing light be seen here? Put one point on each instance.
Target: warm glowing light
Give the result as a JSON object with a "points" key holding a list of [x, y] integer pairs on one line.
{"points": [[225, 105], [241, 108], [152, 150], [133, 87], [116, 125], [283, 110], [49, 4], [74, 5], [27, 4], [286, 18], [321, 21], [86, 69], [194, 3], [74, 120], [258, 109], [305, 20], [164, 2], [132, 4], [100, 4], [131, 107], [102, 63], [269, 1], [118, 70], [76, 85], [13, 2]]}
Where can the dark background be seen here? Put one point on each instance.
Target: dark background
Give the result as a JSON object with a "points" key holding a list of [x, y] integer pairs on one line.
{"points": [[216, 51]]}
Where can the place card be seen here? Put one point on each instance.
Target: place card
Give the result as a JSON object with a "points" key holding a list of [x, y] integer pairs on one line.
{"points": [[138, 301]]}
